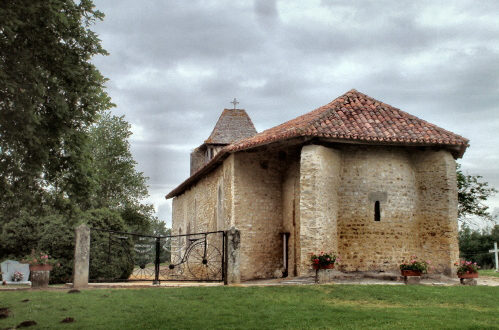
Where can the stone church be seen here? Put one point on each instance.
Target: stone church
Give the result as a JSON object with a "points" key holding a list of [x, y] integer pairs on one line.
{"points": [[356, 177]]}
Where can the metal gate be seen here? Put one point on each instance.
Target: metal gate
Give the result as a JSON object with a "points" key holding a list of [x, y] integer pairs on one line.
{"points": [[120, 256]]}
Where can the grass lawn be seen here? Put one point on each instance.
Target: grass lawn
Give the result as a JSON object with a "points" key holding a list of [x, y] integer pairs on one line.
{"points": [[488, 272], [325, 306]]}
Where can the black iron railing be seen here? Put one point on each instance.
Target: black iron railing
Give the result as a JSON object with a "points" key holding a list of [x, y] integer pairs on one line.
{"points": [[123, 256]]}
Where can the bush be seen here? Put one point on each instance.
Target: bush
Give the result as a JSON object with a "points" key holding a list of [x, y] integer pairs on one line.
{"points": [[111, 255], [57, 239], [55, 235], [474, 245], [20, 235]]}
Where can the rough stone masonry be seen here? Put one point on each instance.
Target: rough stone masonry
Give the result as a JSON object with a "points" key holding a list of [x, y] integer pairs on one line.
{"points": [[355, 177]]}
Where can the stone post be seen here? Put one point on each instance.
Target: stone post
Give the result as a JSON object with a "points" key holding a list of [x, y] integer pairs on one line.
{"points": [[437, 216], [320, 169], [82, 256], [233, 244]]}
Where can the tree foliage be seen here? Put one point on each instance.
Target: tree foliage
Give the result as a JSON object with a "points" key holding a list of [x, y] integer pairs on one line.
{"points": [[118, 184], [50, 93], [474, 245], [472, 193], [63, 158]]}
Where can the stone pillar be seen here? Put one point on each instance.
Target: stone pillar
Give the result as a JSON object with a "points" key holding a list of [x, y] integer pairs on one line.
{"points": [[81, 256], [233, 244], [319, 180], [437, 209]]}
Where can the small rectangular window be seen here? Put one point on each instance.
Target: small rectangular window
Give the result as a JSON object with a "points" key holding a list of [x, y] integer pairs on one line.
{"points": [[377, 211]]}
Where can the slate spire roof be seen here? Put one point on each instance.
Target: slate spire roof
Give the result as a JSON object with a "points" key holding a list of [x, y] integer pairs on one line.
{"points": [[233, 125], [353, 117]]}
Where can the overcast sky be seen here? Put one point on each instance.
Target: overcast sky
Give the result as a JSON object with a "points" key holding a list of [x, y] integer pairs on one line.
{"points": [[175, 65]]}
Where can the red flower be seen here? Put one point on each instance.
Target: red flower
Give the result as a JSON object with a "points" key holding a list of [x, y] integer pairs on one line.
{"points": [[316, 261]]}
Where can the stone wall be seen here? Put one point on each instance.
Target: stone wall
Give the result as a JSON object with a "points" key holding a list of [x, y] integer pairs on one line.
{"points": [[206, 206], [437, 216], [203, 154], [258, 212], [319, 182], [291, 211], [198, 157], [325, 198], [386, 175]]}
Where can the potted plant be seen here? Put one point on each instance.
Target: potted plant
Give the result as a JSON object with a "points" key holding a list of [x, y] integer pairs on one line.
{"points": [[40, 265], [414, 267], [467, 269], [323, 260]]}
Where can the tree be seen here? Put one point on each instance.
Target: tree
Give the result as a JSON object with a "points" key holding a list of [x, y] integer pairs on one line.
{"points": [[63, 160], [50, 93], [472, 192], [119, 186], [474, 245], [118, 182]]}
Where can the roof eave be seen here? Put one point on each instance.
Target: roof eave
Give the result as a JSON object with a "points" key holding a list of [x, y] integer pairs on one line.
{"points": [[457, 151], [219, 158]]}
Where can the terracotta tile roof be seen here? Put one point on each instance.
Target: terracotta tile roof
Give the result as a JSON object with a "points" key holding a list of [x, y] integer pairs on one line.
{"points": [[351, 117], [357, 117], [233, 125]]}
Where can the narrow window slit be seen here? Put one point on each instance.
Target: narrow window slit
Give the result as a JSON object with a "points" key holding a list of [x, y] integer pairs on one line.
{"points": [[377, 211]]}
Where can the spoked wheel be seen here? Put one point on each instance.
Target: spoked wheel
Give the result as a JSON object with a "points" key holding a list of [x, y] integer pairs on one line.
{"points": [[142, 272], [205, 267], [172, 271]]}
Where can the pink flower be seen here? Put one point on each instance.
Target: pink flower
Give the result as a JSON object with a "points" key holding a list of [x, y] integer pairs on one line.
{"points": [[328, 259], [45, 257]]}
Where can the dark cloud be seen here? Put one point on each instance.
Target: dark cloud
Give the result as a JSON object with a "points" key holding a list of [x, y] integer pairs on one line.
{"points": [[266, 12], [174, 66]]}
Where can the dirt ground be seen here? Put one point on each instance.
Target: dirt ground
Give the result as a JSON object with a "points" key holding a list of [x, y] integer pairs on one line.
{"points": [[335, 277]]}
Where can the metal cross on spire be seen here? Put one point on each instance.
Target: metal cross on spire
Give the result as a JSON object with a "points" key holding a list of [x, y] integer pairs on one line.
{"points": [[235, 103]]}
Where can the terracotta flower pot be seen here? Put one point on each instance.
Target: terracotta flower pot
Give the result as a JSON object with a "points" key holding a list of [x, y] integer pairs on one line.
{"points": [[40, 268], [468, 275], [330, 266], [411, 273], [40, 275]]}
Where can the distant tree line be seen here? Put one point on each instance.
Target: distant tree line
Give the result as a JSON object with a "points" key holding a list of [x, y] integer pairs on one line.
{"points": [[474, 245]]}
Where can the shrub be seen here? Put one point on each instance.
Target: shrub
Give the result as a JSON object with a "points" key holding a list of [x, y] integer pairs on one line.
{"points": [[54, 234], [111, 255]]}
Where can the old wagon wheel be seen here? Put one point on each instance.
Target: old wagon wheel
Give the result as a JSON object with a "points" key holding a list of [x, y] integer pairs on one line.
{"points": [[205, 267]]}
